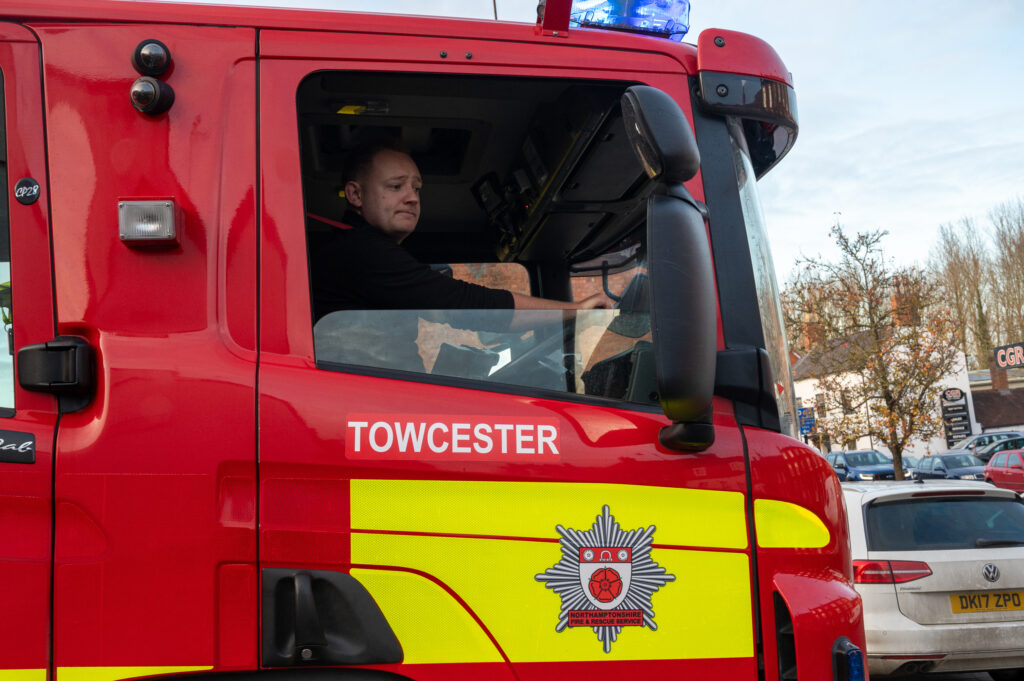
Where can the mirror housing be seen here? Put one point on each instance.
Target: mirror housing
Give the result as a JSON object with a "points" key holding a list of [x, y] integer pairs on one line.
{"points": [[683, 306], [660, 134]]}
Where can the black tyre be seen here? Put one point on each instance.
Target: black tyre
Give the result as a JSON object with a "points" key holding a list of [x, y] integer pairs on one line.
{"points": [[1007, 675]]}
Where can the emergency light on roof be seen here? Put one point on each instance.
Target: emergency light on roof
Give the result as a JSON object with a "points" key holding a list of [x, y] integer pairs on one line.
{"points": [[667, 18]]}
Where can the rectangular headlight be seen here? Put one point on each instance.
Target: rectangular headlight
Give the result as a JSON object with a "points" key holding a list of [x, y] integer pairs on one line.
{"points": [[148, 222]]}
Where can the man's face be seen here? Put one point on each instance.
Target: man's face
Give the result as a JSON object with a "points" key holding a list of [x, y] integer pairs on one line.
{"points": [[389, 196]]}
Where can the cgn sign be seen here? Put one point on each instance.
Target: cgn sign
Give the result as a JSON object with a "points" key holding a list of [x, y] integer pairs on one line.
{"points": [[952, 395], [1010, 356]]}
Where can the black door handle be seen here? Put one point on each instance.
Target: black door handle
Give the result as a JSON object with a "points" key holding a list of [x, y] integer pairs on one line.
{"points": [[322, 617]]}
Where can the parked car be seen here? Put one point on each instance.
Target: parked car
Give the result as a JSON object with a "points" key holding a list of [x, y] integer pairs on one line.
{"points": [[866, 464], [974, 443], [986, 453], [951, 466], [910, 464], [1006, 469], [940, 568]]}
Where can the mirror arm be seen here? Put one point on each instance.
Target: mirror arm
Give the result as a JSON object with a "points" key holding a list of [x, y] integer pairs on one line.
{"points": [[678, 191], [688, 437]]}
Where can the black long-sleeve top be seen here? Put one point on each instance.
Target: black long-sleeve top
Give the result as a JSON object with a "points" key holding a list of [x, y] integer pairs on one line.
{"points": [[357, 267]]}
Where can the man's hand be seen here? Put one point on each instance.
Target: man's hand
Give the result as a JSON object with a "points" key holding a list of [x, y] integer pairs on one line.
{"points": [[596, 301]]}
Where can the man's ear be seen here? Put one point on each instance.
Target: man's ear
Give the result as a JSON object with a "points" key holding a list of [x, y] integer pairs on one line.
{"points": [[354, 194]]}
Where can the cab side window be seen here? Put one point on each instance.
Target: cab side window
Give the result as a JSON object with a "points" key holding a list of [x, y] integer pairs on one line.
{"points": [[513, 194], [999, 461]]}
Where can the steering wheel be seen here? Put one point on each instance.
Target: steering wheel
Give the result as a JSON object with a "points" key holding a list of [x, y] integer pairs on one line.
{"points": [[526, 364]]}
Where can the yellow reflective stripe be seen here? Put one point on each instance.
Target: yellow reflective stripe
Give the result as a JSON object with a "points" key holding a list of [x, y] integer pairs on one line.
{"points": [[704, 613], [683, 517], [22, 675], [431, 625], [116, 673], [782, 525]]}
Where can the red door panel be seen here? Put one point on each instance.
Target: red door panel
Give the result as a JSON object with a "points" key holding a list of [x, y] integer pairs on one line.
{"points": [[453, 552], [1014, 474], [155, 542]]}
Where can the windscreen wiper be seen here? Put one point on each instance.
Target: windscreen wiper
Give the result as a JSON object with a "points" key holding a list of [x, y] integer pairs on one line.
{"points": [[998, 542]]}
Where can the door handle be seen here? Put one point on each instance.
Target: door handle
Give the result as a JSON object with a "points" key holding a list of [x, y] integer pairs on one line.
{"points": [[322, 617], [309, 637]]}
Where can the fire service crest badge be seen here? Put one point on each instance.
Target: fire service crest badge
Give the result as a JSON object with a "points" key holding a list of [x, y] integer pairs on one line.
{"points": [[606, 578]]}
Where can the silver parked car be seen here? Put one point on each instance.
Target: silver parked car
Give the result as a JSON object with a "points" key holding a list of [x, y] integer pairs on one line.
{"points": [[975, 443], [940, 567]]}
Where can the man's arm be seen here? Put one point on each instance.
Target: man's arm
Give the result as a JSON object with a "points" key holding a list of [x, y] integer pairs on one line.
{"points": [[523, 320], [524, 302]]}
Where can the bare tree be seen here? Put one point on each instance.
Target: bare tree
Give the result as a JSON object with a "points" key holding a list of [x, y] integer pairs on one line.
{"points": [[880, 337], [964, 270], [1008, 270]]}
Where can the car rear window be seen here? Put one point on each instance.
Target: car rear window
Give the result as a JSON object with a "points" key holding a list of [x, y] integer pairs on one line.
{"points": [[944, 523]]}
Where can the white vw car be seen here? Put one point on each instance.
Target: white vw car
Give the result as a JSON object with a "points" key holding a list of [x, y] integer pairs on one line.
{"points": [[940, 567]]}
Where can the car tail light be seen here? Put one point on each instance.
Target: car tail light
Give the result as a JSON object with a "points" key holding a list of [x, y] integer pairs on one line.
{"points": [[871, 572], [908, 570], [888, 571]]}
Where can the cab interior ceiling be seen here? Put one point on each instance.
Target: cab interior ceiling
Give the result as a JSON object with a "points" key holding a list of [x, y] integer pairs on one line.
{"points": [[529, 170]]}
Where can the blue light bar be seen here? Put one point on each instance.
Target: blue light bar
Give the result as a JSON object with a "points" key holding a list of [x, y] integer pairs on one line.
{"points": [[667, 18]]}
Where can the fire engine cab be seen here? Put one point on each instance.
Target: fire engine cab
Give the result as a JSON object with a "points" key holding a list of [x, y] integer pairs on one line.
{"points": [[199, 476]]}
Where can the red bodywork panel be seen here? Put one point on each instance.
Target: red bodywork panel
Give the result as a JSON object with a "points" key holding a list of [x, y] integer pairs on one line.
{"points": [[214, 446], [724, 51], [816, 584]]}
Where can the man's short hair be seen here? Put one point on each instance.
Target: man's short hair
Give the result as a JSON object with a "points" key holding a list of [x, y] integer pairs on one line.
{"points": [[360, 159]]}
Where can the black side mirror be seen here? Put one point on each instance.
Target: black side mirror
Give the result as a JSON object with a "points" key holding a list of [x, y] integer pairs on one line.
{"points": [[660, 134], [683, 310]]}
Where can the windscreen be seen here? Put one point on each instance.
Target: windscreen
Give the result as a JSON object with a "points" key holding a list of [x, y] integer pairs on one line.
{"points": [[764, 278], [940, 523]]}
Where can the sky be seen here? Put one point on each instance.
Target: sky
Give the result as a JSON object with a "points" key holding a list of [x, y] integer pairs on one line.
{"points": [[911, 116], [911, 111]]}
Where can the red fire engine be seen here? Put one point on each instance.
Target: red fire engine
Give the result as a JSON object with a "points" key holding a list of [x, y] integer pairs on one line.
{"points": [[198, 477]]}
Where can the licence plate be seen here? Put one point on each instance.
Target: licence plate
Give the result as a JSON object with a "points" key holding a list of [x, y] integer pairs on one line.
{"points": [[991, 601]]}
